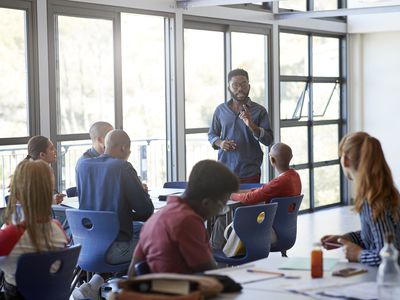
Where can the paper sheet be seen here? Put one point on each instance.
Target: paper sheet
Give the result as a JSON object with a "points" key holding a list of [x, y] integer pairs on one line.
{"points": [[304, 263]]}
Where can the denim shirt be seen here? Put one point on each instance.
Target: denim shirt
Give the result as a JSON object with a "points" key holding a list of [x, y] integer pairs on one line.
{"points": [[246, 160]]}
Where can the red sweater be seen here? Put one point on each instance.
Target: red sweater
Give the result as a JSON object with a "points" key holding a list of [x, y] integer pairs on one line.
{"points": [[286, 184]]}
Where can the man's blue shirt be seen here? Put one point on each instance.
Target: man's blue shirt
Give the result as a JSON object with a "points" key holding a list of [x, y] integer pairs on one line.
{"points": [[111, 184], [246, 160]]}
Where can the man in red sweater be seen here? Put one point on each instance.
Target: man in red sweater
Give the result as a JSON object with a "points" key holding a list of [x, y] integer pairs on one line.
{"points": [[287, 184]]}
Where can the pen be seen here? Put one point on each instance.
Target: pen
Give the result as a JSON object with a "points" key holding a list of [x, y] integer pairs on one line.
{"points": [[264, 272]]}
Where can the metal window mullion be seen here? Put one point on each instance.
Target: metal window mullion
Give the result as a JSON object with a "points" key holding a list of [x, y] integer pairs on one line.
{"points": [[228, 59], [343, 127], [118, 102], [310, 125]]}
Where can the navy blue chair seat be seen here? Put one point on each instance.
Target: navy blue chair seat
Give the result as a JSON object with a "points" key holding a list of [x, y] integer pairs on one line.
{"points": [[72, 192], [248, 186], [253, 225], [285, 223], [47, 275], [175, 185]]}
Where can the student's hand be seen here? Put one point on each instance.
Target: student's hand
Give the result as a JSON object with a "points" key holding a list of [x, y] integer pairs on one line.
{"points": [[228, 145], [58, 198], [351, 250], [145, 187], [330, 242]]}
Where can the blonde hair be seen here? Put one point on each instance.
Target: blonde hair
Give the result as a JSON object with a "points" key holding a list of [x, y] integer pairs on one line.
{"points": [[374, 181], [32, 188]]}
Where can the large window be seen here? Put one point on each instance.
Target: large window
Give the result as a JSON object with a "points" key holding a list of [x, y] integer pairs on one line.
{"points": [[109, 65], [310, 116], [18, 120], [227, 48]]}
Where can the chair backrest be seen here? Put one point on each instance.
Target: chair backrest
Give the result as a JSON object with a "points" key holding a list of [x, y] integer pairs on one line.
{"points": [[285, 224], [247, 186], [95, 231], [253, 225], [72, 192], [47, 275], [175, 185]]}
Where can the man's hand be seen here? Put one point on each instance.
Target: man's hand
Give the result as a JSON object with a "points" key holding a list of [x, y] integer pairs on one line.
{"points": [[228, 145], [246, 117]]}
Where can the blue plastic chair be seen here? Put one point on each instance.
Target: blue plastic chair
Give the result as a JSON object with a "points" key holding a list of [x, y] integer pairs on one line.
{"points": [[175, 185], [72, 192], [37, 279], [285, 224], [248, 186], [95, 231], [253, 231]]}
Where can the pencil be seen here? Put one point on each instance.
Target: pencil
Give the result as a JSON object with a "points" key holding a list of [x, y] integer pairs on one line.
{"points": [[264, 272]]}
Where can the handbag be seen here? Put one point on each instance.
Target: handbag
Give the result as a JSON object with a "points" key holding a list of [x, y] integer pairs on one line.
{"points": [[234, 246]]}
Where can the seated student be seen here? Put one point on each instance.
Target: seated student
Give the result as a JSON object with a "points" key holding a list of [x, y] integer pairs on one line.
{"points": [[175, 238], [287, 183], [30, 227], [377, 200], [40, 147], [97, 132], [109, 183]]}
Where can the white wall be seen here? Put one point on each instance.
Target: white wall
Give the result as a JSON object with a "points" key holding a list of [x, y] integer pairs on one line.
{"points": [[375, 93]]}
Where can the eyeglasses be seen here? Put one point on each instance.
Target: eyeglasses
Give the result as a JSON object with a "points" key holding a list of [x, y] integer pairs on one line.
{"points": [[237, 85]]}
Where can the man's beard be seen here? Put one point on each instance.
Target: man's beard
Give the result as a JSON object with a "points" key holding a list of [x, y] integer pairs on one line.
{"points": [[243, 100]]}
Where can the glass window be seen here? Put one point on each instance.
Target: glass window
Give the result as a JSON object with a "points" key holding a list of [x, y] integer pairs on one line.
{"points": [[86, 73], [247, 50], [10, 156], [198, 148], [204, 90], [326, 101], [305, 188], [325, 4], [144, 104], [327, 185], [14, 74], [293, 54], [325, 56], [294, 4], [296, 138], [294, 101], [326, 141]]}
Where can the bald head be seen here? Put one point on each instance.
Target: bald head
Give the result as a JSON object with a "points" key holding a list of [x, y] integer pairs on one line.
{"points": [[98, 132], [280, 156], [118, 144]]}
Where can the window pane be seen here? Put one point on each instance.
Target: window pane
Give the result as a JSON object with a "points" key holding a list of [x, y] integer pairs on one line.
{"points": [[296, 138], [204, 89], [294, 101], [68, 154], [13, 74], [248, 51], [293, 54], [10, 156], [198, 148], [326, 141], [305, 188], [325, 4], [294, 5], [326, 101], [327, 185], [325, 56], [86, 74], [144, 103]]}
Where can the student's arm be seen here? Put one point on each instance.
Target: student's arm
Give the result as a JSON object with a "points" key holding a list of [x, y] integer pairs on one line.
{"points": [[194, 246], [9, 237], [262, 194], [134, 193]]}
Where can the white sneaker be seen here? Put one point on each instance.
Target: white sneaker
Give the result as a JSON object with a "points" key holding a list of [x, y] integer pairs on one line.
{"points": [[85, 291]]}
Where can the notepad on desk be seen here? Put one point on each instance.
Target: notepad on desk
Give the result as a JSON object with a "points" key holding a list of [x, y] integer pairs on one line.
{"points": [[304, 263]]}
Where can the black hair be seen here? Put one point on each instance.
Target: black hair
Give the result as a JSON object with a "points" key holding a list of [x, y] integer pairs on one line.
{"points": [[210, 179], [238, 72], [36, 145]]}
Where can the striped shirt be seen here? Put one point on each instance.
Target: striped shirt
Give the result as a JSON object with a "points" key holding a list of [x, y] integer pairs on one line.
{"points": [[372, 235]]}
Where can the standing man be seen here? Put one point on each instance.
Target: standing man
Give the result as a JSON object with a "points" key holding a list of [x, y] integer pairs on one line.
{"points": [[238, 127]]}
